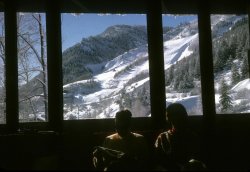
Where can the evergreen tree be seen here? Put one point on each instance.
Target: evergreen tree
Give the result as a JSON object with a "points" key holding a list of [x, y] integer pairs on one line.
{"points": [[238, 52], [221, 56], [235, 74], [126, 99], [233, 45], [178, 77], [191, 64], [225, 99], [169, 75], [244, 68], [197, 68], [229, 62], [188, 82]]}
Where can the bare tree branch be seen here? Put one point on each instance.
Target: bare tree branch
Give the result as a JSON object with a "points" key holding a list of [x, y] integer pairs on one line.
{"points": [[32, 47], [30, 97]]}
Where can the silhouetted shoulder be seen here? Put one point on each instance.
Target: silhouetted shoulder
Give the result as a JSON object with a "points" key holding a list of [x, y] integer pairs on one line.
{"points": [[138, 135], [160, 137], [113, 136]]}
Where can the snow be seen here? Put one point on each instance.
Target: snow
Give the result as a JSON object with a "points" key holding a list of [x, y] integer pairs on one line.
{"points": [[114, 77], [245, 84], [110, 83], [112, 80], [217, 98], [116, 65], [95, 68], [111, 110], [75, 83], [137, 84], [177, 49], [40, 116], [226, 75], [126, 58], [217, 19]]}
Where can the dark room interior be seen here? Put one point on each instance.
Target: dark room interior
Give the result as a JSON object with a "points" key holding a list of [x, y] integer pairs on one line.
{"points": [[59, 139]]}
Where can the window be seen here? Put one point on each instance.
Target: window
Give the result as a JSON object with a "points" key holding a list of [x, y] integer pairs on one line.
{"points": [[32, 67], [182, 61], [105, 65], [93, 44], [230, 40], [2, 70]]}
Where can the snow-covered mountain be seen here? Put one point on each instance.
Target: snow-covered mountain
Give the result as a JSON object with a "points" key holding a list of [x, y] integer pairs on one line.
{"points": [[109, 84], [86, 58], [123, 81]]}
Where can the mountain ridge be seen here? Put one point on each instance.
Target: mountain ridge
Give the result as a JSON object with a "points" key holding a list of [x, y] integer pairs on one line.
{"points": [[100, 48], [184, 44]]}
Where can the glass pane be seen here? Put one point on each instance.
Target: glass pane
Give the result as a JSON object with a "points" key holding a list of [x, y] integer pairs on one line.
{"points": [[231, 75], [182, 61], [32, 67], [2, 70], [105, 65]]}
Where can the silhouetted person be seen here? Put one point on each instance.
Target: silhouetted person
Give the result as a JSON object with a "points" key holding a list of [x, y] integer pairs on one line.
{"points": [[132, 145], [194, 165], [179, 144]]}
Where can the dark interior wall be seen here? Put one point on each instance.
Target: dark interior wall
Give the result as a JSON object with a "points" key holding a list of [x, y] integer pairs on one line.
{"points": [[231, 143], [225, 146], [228, 149]]}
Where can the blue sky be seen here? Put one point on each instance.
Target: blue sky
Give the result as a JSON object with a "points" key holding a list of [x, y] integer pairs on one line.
{"points": [[76, 27]]}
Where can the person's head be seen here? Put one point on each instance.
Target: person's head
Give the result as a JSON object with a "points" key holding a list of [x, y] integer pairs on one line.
{"points": [[177, 115], [122, 122]]}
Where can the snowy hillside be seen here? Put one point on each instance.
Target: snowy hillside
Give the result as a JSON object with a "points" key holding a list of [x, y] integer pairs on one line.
{"points": [[223, 23], [245, 84], [124, 80], [110, 85], [115, 75]]}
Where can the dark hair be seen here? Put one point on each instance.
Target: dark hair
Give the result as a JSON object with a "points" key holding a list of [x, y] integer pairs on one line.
{"points": [[177, 114], [122, 122], [124, 115]]}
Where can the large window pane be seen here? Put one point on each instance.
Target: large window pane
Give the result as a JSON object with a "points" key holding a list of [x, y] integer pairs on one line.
{"points": [[2, 70], [182, 62], [231, 75], [32, 67], [105, 65]]}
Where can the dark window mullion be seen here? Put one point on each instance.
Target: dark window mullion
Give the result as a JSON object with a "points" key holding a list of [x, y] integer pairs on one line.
{"points": [[54, 60], [156, 63], [248, 52], [207, 81], [206, 65], [11, 67]]}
